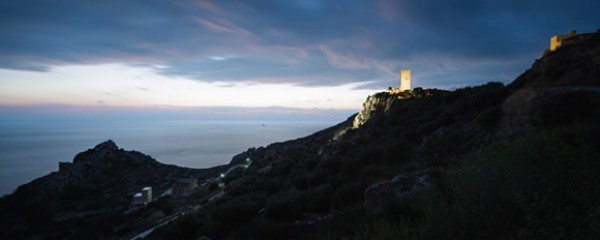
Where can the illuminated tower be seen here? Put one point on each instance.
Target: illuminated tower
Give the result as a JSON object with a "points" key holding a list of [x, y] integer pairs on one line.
{"points": [[557, 40], [405, 79]]}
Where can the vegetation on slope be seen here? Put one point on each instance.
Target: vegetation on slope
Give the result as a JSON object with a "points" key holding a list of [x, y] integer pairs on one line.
{"points": [[537, 185], [499, 162], [542, 186], [516, 162]]}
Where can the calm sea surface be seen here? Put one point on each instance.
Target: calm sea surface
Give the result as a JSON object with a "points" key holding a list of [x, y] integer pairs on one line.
{"points": [[31, 149]]}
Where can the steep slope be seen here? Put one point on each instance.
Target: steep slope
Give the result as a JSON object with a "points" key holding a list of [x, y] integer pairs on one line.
{"points": [[358, 179]]}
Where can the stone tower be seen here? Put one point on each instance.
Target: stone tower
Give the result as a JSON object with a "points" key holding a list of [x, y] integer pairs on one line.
{"points": [[405, 79], [557, 40]]}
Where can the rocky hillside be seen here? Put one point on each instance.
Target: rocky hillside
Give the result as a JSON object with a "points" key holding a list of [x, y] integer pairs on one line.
{"points": [[476, 163], [484, 162], [93, 192]]}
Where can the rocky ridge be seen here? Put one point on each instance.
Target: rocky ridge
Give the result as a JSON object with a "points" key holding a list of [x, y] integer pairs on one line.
{"points": [[361, 176]]}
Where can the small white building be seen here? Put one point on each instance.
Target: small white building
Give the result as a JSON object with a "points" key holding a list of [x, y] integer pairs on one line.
{"points": [[147, 194], [138, 199], [143, 197]]}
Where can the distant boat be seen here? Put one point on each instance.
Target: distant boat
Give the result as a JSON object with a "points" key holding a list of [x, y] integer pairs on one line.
{"points": [[263, 124]]}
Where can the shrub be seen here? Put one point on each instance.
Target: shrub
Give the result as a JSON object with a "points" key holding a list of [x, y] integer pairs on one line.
{"points": [[398, 151], [285, 206], [332, 164], [212, 229], [311, 161], [300, 183], [239, 210], [538, 187], [317, 177], [269, 185], [489, 118], [350, 192], [350, 166], [73, 192], [370, 154], [375, 173], [317, 200], [186, 228], [488, 95], [477, 98], [410, 135], [344, 147], [449, 142], [563, 109]]}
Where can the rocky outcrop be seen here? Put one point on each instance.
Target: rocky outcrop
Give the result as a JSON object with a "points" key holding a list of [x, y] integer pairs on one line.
{"points": [[108, 153], [393, 193], [379, 102]]}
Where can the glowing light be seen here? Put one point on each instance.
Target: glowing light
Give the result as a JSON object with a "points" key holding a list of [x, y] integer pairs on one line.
{"points": [[123, 85]]}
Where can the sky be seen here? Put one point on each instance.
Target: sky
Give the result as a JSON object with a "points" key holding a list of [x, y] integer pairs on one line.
{"points": [[309, 56]]}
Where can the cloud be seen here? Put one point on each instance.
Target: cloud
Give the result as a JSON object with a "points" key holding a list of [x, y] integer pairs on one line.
{"points": [[310, 43], [24, 65]]}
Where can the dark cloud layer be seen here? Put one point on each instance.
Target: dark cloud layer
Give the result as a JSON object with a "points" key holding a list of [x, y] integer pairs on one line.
{"points": [[309, 42]]}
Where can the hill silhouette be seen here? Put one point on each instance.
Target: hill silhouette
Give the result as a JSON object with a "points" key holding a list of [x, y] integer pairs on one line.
{"points": [[484, 162]]}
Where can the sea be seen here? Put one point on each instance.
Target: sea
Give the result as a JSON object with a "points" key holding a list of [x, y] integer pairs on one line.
{"points": [[32, 149]]}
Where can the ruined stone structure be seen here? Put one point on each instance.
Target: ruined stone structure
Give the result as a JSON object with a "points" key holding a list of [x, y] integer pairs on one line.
{"points": [[405, 81], [557, 40]]}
